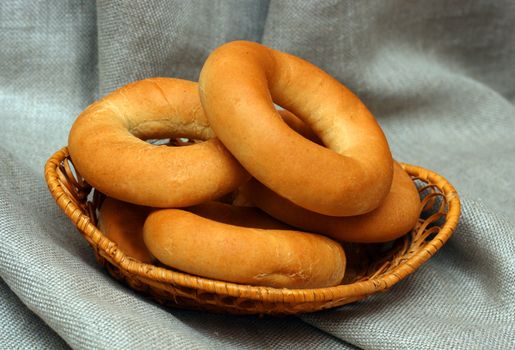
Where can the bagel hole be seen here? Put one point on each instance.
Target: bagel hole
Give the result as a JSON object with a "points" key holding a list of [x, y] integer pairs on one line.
{"points": [[158, 142], [174, 142]]}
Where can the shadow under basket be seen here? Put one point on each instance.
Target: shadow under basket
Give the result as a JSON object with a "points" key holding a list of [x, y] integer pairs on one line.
{"points": [[372, 268]]}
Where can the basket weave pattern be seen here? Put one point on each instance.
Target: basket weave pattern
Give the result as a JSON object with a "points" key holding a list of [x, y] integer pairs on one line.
{"points": [[371, 268]]}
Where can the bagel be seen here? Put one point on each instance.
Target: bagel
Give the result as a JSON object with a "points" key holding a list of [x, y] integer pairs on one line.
{"points": [[265, 257], [107, 148], [239, 84], [396, 216], [122, 223]]}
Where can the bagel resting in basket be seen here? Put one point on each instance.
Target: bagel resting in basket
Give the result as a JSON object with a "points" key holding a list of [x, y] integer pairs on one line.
{"points": [[350, 173], [371, 268]]}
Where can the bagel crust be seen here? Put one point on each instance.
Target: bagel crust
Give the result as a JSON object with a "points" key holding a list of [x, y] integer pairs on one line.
{"points": [[266, 257], [396, 216], [107, 148], [239, 84], [122, 223]]}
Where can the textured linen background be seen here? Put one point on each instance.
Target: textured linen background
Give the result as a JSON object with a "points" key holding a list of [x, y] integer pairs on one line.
{"points": [[438, 75]]}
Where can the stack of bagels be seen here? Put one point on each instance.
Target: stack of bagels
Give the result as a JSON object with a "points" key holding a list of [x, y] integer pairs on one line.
{"points": [[256, 195]]}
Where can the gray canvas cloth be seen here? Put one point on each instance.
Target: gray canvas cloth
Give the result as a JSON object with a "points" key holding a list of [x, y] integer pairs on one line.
{"points": [[438, 75]]}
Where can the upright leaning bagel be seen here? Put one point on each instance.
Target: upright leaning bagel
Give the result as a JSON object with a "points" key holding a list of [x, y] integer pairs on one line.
{"points": [[239, 83], [107, 148]]}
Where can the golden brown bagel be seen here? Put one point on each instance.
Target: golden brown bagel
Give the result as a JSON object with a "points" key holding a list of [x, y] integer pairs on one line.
{"points": [[122, 223], [106, 146], [396, 216], [266, 257], [239, 83]]}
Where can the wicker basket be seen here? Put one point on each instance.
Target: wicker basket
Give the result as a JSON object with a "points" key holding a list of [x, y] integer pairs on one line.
{"points": [[371, 268]]}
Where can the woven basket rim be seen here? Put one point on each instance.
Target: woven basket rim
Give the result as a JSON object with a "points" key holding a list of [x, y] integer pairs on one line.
{"points": [[259, 293]]}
